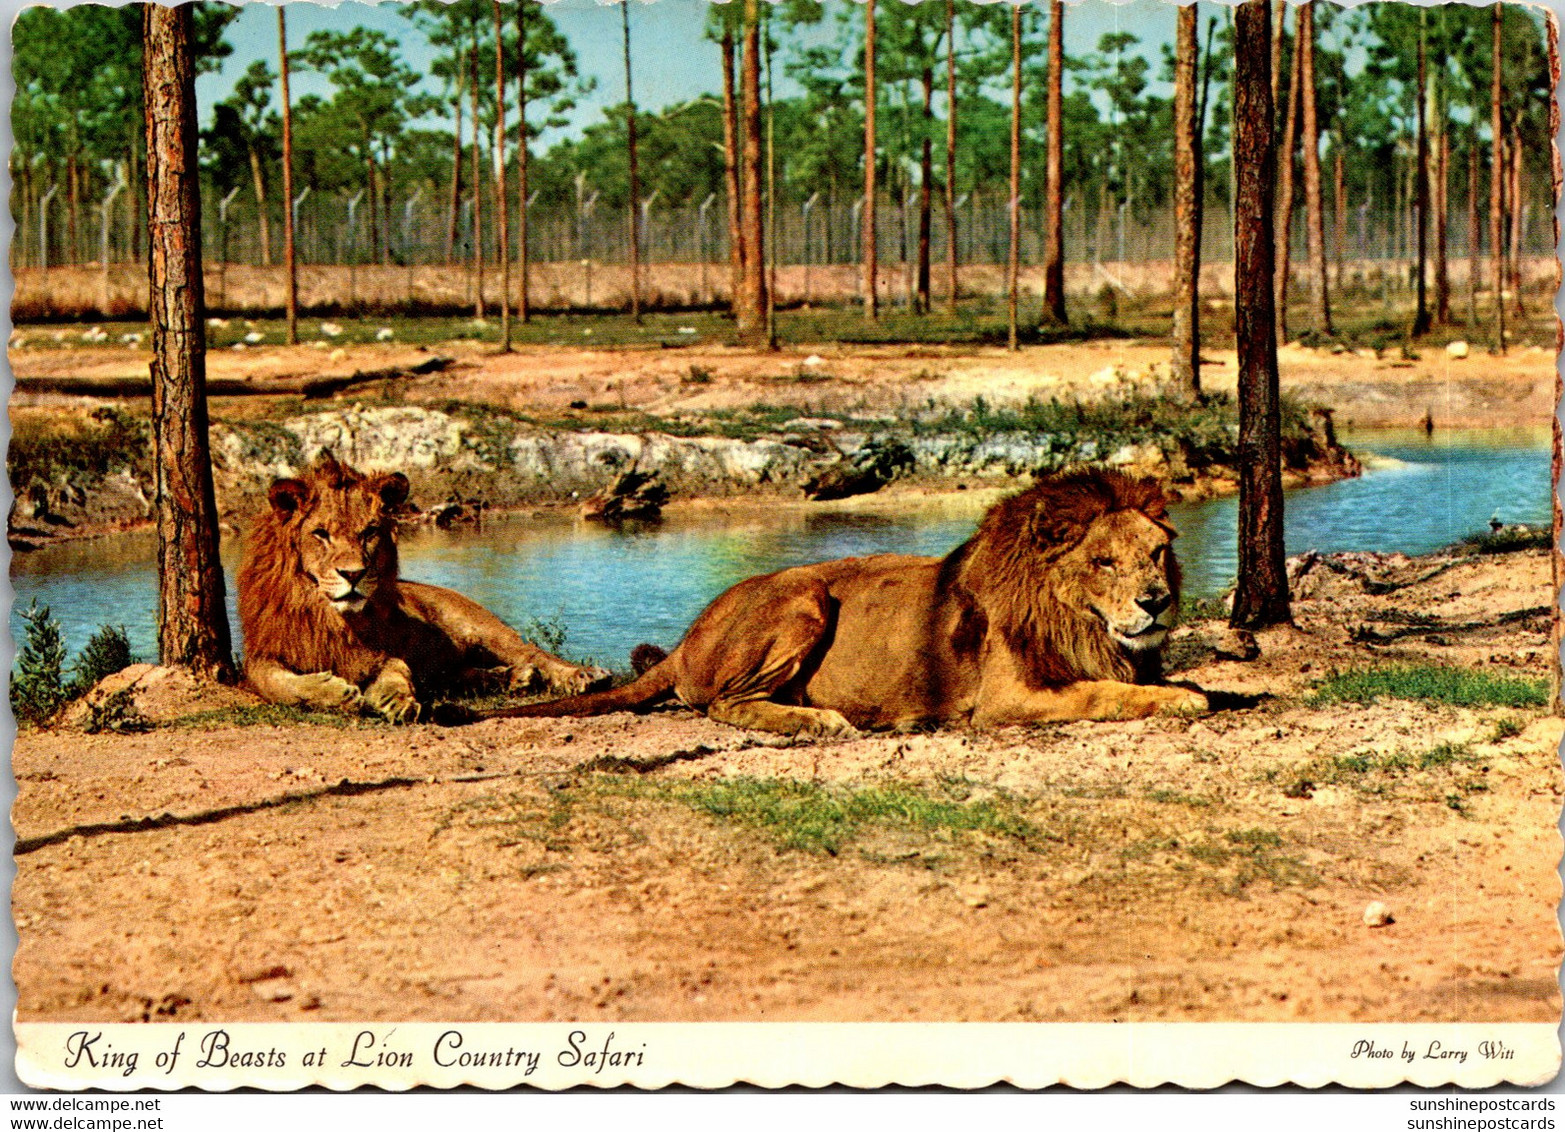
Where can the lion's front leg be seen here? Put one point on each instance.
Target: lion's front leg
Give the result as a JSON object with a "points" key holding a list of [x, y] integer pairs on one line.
{"points": [[391, 694], [1086, 699], [323, 691]]}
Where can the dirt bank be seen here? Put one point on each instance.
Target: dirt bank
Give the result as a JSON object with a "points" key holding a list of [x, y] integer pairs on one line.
{"points": [[671, 868]]}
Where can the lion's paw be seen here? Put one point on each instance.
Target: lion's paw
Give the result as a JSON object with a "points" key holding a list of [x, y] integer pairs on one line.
{"points": [[391, 696], [1184, 701], [827, 724], [325, 690], [560, 680]]}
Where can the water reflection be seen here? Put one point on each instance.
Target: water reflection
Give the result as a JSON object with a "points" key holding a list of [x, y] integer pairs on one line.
{"points": [[613, 589]]}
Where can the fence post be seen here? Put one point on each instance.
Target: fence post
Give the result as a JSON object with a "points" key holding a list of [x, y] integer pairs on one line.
{"points": [[353, 247], [701, 240], [407, 227], [804, 218], [222, 247], [43, 226]]}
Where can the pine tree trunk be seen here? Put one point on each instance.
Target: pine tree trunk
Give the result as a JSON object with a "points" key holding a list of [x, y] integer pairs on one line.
{"points": [[1314, 207], [258, 181], [736, 248], [950, 194], [1187, 253], [752, 304], [1054, 235], [290, 253], [635, 179], [523, 297], [1014, 204], [1516, 222], [926, 174], [1440, 204], [871, 267], [1497, 191], [502, 207], [1473, 237], [1283, 229], [456, 171], [192, 616], [1339, 208], [1421, 190], [478, 186], [1261, 598]]}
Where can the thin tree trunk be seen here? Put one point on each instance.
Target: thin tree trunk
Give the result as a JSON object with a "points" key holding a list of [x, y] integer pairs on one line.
{"points": [[374, 196], [456, 167], [1261, 598], [502, 207], [635, 181], [1473, 238], [1421, 187], [1339, 207], [871, 268], [478, 186], [258, 181], [523, 298], [736, 248], [950, 194], [926, 174], [192, 616], [752, 306], [1497, 191], [1516, 222], [1054, 234], [289, 251], [1285, 188], [1187, 253], [73, 195], [1014, 204], [1314, 206]]}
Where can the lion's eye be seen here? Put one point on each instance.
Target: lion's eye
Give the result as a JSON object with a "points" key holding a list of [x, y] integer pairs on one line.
{"points": [[322, 533], [1159, 554], [1103, 563]]}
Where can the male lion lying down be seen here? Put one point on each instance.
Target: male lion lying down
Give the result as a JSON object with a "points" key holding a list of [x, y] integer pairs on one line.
{"points": [[328, 624], [1055, 609]]}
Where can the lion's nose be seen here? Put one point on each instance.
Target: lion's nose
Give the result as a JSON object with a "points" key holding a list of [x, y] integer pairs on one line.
{"points": [[352, 577], [1155, 603]]}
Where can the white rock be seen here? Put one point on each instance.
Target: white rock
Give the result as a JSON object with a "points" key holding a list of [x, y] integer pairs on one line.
{"points": [[217, 323], [238, 346], [330, 329], [1377, 915], [814, 360], [1456, 350], [338, 354], [385, 334], [319, 344], [687, 330], [255, 336]]}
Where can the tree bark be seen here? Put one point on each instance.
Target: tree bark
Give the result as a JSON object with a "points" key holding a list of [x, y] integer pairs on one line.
{"points": [[926, 174], [950, 194], [1014, 204], [1421, 189], [1261, 598], [871, 267], [290, 253], [192, 617], [635, 179], [736, 248], [1187, 253], [1314, 207], [1515, 193], [752, 304], [478, 186], [1497, 190], [456, 168], [258, 180], [523, 297], [1283, 229], [1054, 234], [1473, 237], [1339, 207], [502, 207], [1441, 168]]}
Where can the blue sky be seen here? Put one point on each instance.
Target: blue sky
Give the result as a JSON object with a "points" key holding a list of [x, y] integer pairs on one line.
{"points": [[672, 61]]}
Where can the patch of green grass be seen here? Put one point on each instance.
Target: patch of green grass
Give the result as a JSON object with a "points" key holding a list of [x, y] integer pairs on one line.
{"points": [[1245, 856], [1431, 684], [824, 819], [1175, 798], [1444, 754], [1507, 727], [264, 715]]}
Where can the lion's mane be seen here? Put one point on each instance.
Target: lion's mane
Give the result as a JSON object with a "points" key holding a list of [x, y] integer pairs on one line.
{"points": [[1011, 570]]}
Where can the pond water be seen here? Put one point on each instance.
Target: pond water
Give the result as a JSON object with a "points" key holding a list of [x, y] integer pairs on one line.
{"points": [[614, 589]]}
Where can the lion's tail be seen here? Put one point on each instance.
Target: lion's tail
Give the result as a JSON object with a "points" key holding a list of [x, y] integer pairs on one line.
{"points": [[652, 687]]}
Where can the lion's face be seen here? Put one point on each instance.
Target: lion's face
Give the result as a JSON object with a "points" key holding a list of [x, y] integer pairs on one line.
{"points": [[342, 526], [1123, 571]]}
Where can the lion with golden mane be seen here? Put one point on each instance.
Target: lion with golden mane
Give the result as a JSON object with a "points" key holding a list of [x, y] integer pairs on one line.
{"points": [[328, 624], [1056, 609]]}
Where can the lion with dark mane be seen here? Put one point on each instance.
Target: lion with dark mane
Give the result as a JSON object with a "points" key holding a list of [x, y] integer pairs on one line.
{"points": [[328, 624], [1056, 609]]}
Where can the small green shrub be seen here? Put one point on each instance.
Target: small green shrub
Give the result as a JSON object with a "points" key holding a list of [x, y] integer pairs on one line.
{"points": [[1432, 684], [107, 651], [549, 635], [1508, 539], [38, 680], [1507, 728]]}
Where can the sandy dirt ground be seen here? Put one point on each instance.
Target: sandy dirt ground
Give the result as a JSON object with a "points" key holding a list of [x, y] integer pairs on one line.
{"points": [[1212, 868], [1365, 392]]}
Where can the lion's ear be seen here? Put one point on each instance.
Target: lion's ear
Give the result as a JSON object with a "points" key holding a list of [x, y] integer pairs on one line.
{"points": [[287, 496], [326, 466], [392, 489]]}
